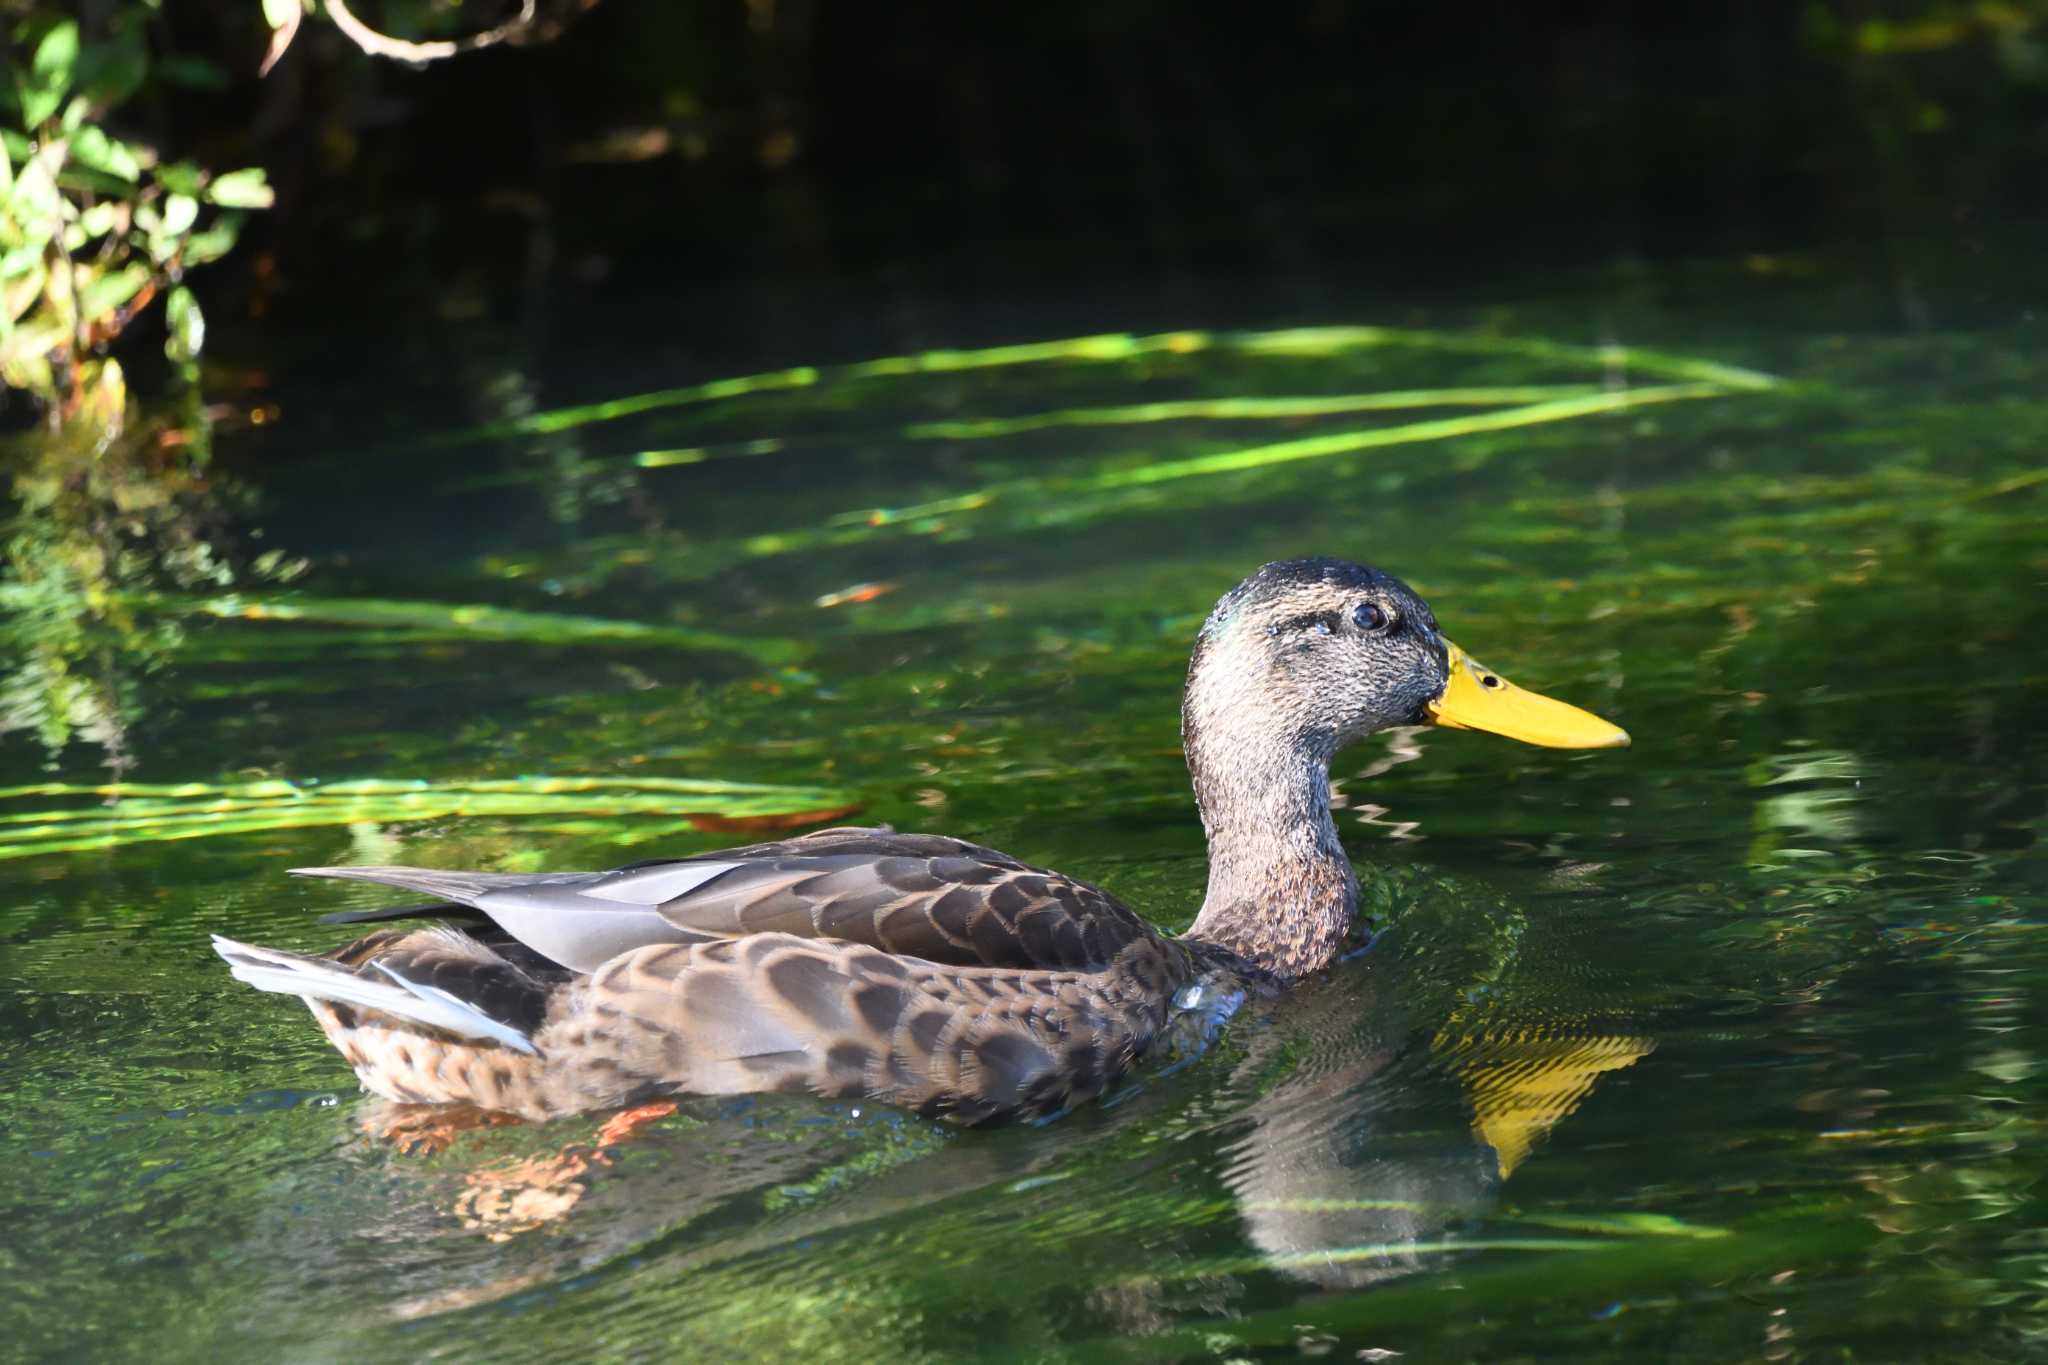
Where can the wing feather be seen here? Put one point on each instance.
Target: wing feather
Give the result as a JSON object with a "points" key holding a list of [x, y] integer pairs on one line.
{"points": [[919, 895]]}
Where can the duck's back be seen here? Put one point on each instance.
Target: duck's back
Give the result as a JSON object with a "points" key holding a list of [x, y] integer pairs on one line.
{"points": [[917, 969]]}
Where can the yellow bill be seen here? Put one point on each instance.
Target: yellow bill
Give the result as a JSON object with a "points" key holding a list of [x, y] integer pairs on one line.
{"points": [[1477, 698]]}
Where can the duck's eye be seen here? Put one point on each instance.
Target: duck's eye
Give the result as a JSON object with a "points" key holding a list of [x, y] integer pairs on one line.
{"points": [[1371, 616]]}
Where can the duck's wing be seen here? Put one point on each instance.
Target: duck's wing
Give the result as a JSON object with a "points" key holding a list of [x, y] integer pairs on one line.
{"points": [[916, 895]]}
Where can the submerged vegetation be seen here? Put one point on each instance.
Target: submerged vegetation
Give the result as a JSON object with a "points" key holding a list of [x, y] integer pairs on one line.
{"points": [[130, 813], [115, 544]]}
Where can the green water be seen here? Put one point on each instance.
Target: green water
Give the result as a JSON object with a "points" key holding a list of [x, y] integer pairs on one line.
{"points": [[1727, 1046]]}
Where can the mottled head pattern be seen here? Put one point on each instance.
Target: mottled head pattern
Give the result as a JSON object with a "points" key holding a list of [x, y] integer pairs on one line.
{"points": [[1301, 658], [1311, 654]]}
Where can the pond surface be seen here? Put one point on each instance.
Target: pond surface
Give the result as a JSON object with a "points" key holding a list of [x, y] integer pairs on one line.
{"points": [[1726, 1046]]}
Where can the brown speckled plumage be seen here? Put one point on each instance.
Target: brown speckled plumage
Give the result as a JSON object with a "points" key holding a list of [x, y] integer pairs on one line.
{"points": [[914, 969]]}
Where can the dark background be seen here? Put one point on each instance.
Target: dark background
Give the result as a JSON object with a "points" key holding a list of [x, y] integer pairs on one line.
{"points": [[731, 184]]}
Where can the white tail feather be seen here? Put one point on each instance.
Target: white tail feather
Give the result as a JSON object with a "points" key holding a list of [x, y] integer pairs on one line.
{"points": [[290, 974]]}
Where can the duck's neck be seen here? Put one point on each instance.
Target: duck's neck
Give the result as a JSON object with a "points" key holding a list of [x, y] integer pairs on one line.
{"points": [[1281, 892]]}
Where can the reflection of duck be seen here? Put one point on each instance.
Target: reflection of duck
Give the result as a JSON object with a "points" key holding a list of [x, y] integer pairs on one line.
{"points": [[1363, 1127], [913, 968], [1366, 1167]]}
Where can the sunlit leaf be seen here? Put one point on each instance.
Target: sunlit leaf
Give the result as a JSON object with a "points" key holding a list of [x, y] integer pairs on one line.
{"points": [[102, 218], [212, 242], [243, 189], [91, 146], [105, 294], [22, 275], [76, 176], [50, 71], [180, 212], [186, 327]]}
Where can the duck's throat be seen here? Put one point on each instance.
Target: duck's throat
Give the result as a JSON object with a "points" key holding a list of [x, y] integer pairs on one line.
{"points": [[1281, 892]]}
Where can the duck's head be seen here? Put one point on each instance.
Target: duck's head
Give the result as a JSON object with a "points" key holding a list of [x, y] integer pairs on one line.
{"points": [[1295, 662], [1310, 654]]}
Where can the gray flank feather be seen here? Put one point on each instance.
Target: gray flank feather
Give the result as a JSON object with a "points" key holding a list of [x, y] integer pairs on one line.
{"points": [[461, 888]]}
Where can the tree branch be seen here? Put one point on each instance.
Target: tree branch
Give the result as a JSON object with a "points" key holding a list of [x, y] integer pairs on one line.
{"points": [[382, 45]]}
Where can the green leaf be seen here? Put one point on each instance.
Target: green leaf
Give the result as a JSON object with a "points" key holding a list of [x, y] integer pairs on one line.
{"points": [[210, 244], [181, 211], [49, 72], [180, 177], [35, 203], [113, 70], [104, 295], [19, 148], [76, 175], [187, 328], [243, 189], [20, 292], [23, 366], [278, 13], [96, 221], [91, 146]]}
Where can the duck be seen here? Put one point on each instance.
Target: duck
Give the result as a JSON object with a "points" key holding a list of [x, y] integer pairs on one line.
{"points": [[913, 969]]}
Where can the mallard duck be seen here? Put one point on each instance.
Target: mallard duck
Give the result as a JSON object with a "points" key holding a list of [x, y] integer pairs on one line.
{"points": [[915, 969]]}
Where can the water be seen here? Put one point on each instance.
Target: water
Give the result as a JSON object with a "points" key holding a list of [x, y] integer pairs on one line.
{"points": [[1724, 1046]]}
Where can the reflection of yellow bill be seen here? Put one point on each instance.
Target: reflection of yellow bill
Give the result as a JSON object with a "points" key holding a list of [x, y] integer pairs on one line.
{"points": [[1522, 1085], [1477, 698]]}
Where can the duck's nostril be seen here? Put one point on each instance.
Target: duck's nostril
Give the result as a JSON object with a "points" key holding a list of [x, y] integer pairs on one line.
{"points": [[1488, 680]]}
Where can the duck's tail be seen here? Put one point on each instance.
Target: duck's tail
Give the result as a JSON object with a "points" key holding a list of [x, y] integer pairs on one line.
{"points": [[390, 991]]}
